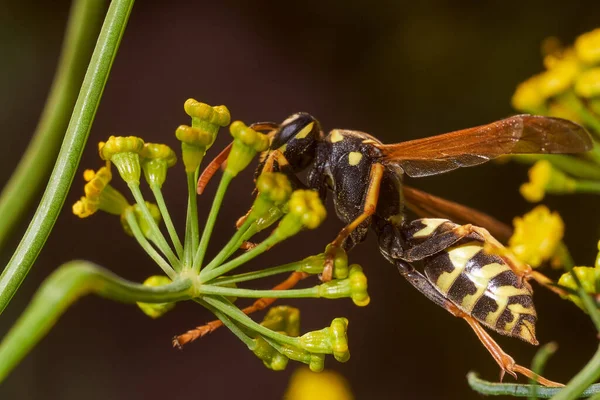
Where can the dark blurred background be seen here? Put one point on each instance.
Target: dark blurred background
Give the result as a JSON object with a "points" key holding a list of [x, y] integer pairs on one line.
{"points": [[396, 70]]}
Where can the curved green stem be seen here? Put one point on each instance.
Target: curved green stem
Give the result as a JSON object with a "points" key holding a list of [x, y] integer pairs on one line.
{"points": [[157, 235], [538, 363], [312, 292], [141, 239], [61, 289], [82, 30], [520, 390], [70, 152], [164, 211], [210, 222], [269, 242], [191, 222]]}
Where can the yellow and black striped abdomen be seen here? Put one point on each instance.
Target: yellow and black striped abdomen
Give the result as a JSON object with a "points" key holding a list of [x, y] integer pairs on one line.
{"points": [[483, 286]]}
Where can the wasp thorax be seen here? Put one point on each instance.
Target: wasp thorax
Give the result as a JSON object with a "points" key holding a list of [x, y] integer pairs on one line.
{"points": [[297, 139]]}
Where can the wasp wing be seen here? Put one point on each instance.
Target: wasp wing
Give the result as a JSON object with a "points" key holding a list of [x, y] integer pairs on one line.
{"points": [[521, 134], [426, 205]]}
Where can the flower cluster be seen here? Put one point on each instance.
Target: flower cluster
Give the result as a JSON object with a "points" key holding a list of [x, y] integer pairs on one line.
{"points": [[568, 88], [214, 285]]}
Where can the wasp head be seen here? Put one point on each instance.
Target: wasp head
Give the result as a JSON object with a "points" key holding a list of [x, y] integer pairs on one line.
{"points": [[297, 139]]}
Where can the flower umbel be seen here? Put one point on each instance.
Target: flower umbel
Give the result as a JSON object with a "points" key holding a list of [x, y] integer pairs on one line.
{"points": [[537, 236], [276, 340]]}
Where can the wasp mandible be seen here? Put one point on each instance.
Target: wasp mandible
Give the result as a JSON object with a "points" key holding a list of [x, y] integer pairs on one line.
{"points": [[365, 178]]}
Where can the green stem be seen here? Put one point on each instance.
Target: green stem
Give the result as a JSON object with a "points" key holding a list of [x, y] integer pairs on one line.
{"points": [[291, 267], [577, 386], [229, 324], [573, 166], [587, 187], [210, 222], [139, 236], [191, 222], [269, 242], [235, 313], [164, 211], [234, 243], [538, 363], [312, 292], [520, 390], [157, 235], [70, 153], [61, 289], [82, 30], [571, 101]]}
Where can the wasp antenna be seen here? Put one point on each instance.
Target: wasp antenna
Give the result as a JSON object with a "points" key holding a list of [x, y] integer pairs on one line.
{"points": [[212, 168]]}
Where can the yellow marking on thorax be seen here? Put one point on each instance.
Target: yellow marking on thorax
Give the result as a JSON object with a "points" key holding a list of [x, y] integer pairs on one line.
{"points": [[481, 278], [336, 137], [354, 158], [459, 256], [305, 131], [431, 224]]}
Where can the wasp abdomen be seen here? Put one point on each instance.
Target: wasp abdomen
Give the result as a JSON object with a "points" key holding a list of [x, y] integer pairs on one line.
{"points": [[479, 284]]}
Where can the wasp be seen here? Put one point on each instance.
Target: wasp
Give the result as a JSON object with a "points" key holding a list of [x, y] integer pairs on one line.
{"points": [[365, 179]]}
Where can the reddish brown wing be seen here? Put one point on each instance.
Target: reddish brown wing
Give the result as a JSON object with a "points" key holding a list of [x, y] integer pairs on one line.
{"points": [[521, 134], [426, 205]]}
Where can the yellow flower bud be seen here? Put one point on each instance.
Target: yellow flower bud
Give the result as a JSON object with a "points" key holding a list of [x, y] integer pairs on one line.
{"points": [[155, 310], [544, 178], [587, 47], [246, 144], [284, 319], [331, 340], [587, 276], [99, 195], [588, 83], [528, 97], [139, 216], [124, 153], [197, 139], [536, 236], [305, 210], [307, 385], [155, 160], [559, 79]]}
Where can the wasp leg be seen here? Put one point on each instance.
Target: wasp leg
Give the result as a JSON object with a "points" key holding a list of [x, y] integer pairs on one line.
{"points": [[506, 362], [370, 205], [260, 304]]}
